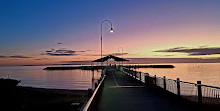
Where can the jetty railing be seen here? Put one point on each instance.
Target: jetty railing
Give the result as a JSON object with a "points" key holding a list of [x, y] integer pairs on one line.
{"points": [[195, 92], [95, 96]]}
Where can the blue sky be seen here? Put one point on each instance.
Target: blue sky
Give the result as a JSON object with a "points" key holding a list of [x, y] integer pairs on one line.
{"points": [[29, 28]]}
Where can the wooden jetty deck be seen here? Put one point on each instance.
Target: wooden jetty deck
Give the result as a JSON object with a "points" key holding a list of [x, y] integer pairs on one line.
{"points": [[125, 93]]}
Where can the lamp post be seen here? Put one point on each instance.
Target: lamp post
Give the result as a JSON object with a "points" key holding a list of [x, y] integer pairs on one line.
{"points": [[111, 30], [121, 53]]}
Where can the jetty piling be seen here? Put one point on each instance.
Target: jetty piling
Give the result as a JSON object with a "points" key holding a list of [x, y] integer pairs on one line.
{"points": [[164, 83], [178, 86], [199, 92], [147, 79], [155, 80]]}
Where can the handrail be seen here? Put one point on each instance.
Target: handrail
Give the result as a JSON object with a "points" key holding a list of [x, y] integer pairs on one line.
{"points": [[92, 98], [210, 86], [185, 81], [196, 92]]}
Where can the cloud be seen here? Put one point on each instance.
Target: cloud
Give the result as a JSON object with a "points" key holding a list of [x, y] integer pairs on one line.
{"points": [[51, 50], [204, 46], [14, 56], [62, 52], [164, 55], [173, 60], [18, 56], [1, 56], [194, 51], [41, 59], [84, 51], [115, 54], [37, 59], [74, 62]]}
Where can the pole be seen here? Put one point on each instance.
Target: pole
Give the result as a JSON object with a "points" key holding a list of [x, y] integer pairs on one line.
{"points": [[199, 92], [178, 86], [155, 80], [147, 79], [101, 41], [164, 83], [101, 54], [140, 76]]}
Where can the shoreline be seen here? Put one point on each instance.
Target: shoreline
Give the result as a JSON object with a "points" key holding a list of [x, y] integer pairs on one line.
{"points": [[18, 98], [56, 91]]}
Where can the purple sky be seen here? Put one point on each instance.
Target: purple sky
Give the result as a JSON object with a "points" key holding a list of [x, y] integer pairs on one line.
{"points": [[48, 32]]}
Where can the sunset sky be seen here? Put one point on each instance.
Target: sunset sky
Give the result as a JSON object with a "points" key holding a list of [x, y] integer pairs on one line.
{"points": [[57, 31]]}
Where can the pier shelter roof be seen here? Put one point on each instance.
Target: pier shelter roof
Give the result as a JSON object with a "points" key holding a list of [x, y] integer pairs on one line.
{"points": [[110, 57]]}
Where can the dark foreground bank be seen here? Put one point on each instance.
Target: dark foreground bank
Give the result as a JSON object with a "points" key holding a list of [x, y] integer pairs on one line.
{"points": [[19, 98]]}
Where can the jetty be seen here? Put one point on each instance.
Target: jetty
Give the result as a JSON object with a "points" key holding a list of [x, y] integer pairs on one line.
{"points": [[106, 59], [123, 89]]}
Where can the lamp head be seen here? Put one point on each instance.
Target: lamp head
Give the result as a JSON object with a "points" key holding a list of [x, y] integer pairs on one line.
{"points": [[112, 31]]}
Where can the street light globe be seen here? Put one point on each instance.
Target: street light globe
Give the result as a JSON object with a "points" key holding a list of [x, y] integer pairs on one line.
{"points": [[112, 31]]}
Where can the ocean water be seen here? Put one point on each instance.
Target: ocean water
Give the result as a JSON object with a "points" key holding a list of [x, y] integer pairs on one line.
{"points": [[35, 76], [208, 73]]}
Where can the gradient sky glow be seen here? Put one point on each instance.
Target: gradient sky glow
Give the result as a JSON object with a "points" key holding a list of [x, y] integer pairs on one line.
{"points": [[144, 28]]}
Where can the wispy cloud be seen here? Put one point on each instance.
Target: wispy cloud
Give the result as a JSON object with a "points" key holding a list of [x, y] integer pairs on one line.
{"points": [[14, 56], [194, 51], [74, 62], [51, 50], [84, 51], [18, 56], [62, 52], [41, 59], [164, 55], [115, 54], [1, 56]]}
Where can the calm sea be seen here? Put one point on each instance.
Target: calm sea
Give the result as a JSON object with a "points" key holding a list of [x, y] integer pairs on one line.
{"points": [[208, 73], [35, 76]]}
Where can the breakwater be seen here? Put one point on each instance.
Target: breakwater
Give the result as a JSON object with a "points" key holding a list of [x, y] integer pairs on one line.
{"points": [[100, 67]]}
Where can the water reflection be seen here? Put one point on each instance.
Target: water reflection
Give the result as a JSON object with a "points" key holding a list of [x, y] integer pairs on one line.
{"points": [[34, 76], [62, 79]]}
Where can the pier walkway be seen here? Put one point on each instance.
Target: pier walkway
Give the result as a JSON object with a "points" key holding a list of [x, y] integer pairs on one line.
{"points": [[124, 93]]}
